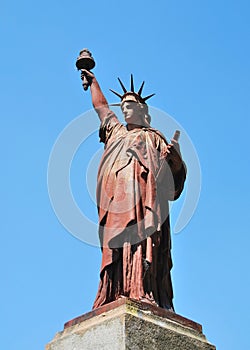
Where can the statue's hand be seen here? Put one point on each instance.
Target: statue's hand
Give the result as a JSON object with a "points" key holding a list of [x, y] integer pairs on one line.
{"points": [[173, 155], [85, 74]]}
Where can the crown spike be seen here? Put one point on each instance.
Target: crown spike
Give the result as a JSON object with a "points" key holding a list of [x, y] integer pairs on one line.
{"points": [[116, 93], [140, 90], [147, 97], [132, 83], [123, 87]]}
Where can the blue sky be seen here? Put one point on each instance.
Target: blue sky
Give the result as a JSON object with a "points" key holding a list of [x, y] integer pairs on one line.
{"points": [[195, 56]]}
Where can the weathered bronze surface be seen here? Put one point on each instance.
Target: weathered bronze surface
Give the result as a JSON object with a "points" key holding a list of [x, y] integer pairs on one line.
{"points": [[138, 174]]}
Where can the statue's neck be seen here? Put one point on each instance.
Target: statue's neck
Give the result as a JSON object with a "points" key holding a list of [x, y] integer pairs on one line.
{"points": [[134, 126]]}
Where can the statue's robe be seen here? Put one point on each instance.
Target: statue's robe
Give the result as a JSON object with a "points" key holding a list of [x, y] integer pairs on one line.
{"points": [[135, 182]]}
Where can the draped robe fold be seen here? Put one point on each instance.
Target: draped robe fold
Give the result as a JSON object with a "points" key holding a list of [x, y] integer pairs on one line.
{"points": [[134, 185]]}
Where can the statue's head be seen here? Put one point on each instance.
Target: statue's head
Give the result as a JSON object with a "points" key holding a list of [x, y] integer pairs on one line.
{"points": [[133, 105]]}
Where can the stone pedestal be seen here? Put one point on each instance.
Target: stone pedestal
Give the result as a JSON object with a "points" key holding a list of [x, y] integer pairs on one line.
{"points": [[130, 324]]}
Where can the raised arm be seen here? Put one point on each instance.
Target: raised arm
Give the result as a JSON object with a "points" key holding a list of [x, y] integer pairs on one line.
{"points": [[98, 99]]}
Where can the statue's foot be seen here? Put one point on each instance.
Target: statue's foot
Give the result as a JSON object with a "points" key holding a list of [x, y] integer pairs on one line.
{"points": [[121, 297], [149, 301]]}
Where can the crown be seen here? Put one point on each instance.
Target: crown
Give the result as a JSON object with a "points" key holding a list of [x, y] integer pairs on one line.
{"points": [[132, 95]]}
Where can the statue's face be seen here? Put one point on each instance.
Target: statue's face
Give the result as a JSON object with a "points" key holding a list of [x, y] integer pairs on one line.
{"points": [[132, 112]]}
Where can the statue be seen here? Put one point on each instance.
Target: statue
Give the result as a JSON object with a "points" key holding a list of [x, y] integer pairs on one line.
{"points": [[138, 174]]}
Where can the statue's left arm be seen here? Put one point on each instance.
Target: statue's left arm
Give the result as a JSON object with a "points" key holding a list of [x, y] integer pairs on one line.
{"points": [[172, 172], [177, 166]]}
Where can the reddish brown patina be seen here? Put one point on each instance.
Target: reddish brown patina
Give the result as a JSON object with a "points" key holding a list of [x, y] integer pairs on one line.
{"points": [[138, 174]]}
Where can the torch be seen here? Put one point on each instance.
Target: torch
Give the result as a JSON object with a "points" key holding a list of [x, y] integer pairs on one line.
{"points": [[85, 61]]}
